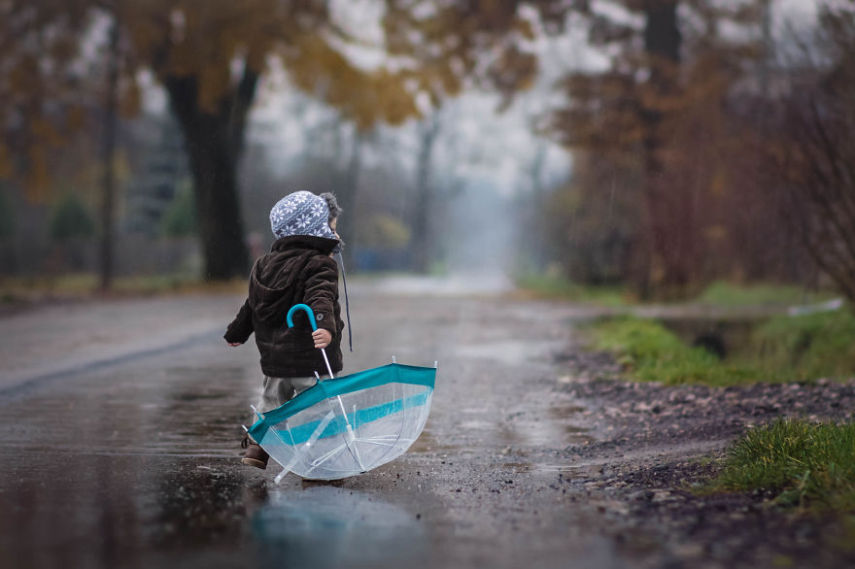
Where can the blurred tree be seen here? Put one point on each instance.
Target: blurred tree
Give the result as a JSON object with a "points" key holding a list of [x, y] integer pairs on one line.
{"points": [[8, 259], [384, 231], [209, 55], [446, 47], [814, 166], [592, 233], [49, 57], [108, 150], [41, 98], [661, 108], [346, 186], [71, 226], [162, 168], [423, 238], [7, 220]]}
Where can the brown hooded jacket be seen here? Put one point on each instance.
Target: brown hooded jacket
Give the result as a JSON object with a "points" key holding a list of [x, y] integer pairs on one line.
{"points": [[298, 269]]}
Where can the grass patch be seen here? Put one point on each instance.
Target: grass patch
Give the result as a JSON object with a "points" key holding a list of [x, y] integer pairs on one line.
{"points": [[726, 294], [807, 347], [653, 353], [80, 285], [784, 348], [557, 287], [802, 464]]}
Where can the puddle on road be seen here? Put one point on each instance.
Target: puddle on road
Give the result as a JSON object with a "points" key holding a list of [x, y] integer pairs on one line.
{"points": [[427, 443], [524, 467], [510, 352], [326, 526], [551, 429], [189, 397]]}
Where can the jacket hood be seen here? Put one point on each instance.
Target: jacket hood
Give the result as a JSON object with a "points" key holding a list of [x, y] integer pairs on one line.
{"points": [[275, 274]]}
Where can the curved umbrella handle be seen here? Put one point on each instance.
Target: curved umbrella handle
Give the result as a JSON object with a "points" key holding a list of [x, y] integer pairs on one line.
{"points": [[307, 309]]}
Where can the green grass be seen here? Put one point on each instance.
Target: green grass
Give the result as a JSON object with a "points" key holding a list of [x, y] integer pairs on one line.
{"points": [[726, 294], [720, 293], [784, 348], [807, 347], [650, 352], [556, 287], [802, 464]]}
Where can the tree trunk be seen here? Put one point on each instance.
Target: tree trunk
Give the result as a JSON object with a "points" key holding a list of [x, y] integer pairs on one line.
{"points": [[668, 247], [214, 143], [422, 242], [346, 196], [214, 170], [107, 155]]}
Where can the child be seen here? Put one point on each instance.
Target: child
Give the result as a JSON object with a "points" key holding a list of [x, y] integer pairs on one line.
{"points": [[298, 269]]}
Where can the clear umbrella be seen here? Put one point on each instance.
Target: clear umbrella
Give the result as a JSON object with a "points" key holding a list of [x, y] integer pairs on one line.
{"points": [[343, 426]]}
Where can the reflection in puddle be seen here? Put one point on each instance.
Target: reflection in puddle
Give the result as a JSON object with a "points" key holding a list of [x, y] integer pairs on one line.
{"points": [[510, 352], [555, 467], [428, 443], [521, 467], [535, 430], [326, 526]]}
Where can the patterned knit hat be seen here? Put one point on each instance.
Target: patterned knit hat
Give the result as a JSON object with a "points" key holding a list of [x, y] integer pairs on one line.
{"points": [[301, 213]]}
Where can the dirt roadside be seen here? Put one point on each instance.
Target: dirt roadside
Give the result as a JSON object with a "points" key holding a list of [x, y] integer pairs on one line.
{"points": [[658, 445]]}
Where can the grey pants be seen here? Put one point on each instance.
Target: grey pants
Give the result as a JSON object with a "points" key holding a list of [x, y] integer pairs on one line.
{"points": [[278, 390]]}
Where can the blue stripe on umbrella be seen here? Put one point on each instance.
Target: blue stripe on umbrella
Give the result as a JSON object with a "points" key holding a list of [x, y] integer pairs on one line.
{"points": [[302, 433]]}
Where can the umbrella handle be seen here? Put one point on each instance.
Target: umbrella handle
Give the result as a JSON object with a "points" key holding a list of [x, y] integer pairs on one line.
{"points": [[289, 318], [307, 309]]}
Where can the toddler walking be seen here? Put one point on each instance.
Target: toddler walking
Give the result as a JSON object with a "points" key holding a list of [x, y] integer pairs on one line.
{"points": [[298, 269]]}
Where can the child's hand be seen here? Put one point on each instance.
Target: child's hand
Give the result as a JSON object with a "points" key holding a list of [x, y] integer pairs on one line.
{"points": [[322, 338]]}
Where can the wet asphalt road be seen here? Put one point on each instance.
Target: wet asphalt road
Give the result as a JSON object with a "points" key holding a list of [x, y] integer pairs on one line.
{"points": [[121, 444]]}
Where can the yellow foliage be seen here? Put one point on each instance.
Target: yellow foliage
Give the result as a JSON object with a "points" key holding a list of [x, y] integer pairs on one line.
{"points": [[214, 45], [382, 230]]}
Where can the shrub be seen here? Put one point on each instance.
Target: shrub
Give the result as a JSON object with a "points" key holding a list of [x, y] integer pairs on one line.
{"points": [[70, 219]]}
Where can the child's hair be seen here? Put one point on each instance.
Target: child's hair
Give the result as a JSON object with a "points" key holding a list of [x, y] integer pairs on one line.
{"points": [[332, 203]]}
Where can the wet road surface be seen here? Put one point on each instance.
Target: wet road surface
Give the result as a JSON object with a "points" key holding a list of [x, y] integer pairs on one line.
{"points": [[127, 455]]}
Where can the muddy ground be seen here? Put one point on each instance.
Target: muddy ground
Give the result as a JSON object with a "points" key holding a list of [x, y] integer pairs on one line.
{"points": [[659, 447], [122, 421]]}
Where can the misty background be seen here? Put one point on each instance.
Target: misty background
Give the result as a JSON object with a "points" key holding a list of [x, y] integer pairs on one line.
{"points": [[659, 146]]}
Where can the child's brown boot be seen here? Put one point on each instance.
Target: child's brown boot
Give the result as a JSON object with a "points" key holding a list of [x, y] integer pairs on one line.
{"points": [[255, 455]]}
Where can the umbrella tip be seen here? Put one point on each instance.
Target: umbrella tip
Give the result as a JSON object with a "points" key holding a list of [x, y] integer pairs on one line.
{"points": [[394, 360], [435, 364]]}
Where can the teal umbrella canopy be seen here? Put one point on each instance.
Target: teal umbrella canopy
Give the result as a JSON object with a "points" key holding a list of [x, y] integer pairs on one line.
{"points": [[344, 426]]}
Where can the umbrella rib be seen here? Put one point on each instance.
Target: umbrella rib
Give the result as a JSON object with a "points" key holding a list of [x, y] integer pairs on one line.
{"points": [[349, 435], [384, 443], [325, 457], [296, 455]]}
